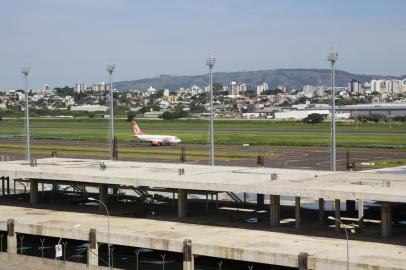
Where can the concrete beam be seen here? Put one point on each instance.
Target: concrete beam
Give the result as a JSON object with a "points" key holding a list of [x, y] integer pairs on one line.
{"points": [[182, 203], [188, 261], [321, 211], [386, 219], [297, 212], [33, 191], [274, 209], [337, 209], [260, 199]]}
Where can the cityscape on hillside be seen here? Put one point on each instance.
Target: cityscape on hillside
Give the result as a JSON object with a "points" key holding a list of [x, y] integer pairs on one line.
{"points": [[234, 99]]}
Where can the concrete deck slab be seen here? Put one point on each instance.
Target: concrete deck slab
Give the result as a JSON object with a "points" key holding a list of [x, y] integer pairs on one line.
{"points": [[370, 186], [231, 243]]}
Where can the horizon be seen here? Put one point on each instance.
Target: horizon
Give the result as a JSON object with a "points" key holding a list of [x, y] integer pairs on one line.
{"points": [[214, 72], [67, 41]]}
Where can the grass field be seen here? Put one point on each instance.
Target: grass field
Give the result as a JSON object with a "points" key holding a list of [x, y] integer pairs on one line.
{"points": [[386, 163], [229, 132], [169, 153]]}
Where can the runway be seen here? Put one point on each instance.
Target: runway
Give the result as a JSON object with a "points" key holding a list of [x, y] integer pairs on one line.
{"points": [[277, 157]]}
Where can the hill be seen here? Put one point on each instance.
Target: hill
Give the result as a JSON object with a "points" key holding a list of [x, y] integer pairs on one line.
{"points": [[294, 78]]}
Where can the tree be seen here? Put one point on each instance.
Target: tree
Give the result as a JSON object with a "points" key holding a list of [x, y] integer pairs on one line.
{"points": [[176, 114], [131, 115], [313, 118]]}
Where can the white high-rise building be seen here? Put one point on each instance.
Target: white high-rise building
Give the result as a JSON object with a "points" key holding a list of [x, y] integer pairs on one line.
{"points": [[354, 87], [100, 87], [309, 91], [79, 88], [166, 93], [151, 90], [397, 86], [262, 88], [244, 87], [320, 91], [233, 89]]}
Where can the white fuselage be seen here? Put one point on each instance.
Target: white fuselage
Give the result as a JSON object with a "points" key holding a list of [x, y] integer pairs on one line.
{"points": [[158, 139]]}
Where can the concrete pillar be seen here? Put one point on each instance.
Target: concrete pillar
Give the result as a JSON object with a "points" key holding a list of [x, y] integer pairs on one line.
{"points": [[188, 261], [182, 203], [33, 191], [321, 210], [103, 194], [260, 199], [92, 251], [217, 200], [173, 200], [350, 206], [275, 210], [386, 219], [302, 261], [11, 237], [337, 209], [360, 213], [297, 212], [55, 189]]}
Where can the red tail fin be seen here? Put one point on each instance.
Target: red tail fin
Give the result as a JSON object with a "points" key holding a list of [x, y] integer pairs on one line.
{"points": [[136, 129]]}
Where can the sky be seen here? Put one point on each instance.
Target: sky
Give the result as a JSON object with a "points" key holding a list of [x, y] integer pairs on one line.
{"points": [[69, 41]]}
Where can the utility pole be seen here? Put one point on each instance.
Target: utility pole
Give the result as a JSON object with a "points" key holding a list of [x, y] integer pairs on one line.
{"points": [[210, 62], [27, 156], [110, 69], [332, 57]]}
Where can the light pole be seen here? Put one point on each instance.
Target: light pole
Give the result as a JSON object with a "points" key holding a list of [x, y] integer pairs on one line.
{"points": [[346, 234], [110, 69], [26, 71], [332, 57], [108, 228], [210, 62]]}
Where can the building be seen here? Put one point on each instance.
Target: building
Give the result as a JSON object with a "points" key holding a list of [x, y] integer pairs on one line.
{"points": [[151, 90], [354, 87], [100, 87], [300, 114], [309, 91], [233, 89], [262, 88], [89, 108], [79, 88], [244, 88]]}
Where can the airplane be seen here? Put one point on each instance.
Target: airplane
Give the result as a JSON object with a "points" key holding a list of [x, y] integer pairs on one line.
{"points": [[156, 140]]}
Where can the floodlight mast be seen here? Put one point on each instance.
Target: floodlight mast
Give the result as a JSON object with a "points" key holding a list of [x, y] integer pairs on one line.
{"points": [[332, 58], [26, 70], [110, 69], [210, 63]]}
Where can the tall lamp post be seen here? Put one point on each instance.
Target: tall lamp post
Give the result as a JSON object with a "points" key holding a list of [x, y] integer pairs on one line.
{"points": [[346, 234], [108, 228], [210, 62], [332, 57], [110, 69], [27, 156]]}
